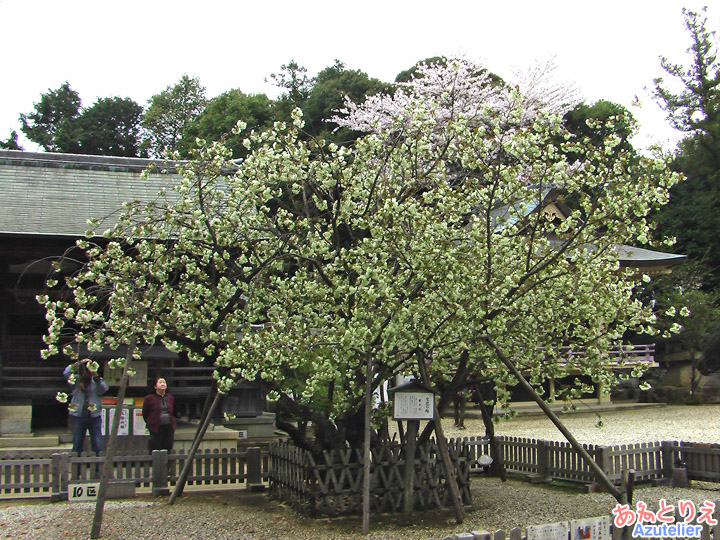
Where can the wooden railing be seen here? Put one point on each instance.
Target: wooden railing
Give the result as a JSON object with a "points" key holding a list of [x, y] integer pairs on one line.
{"points": [[552, 460], [40, 476], [24, 477]]}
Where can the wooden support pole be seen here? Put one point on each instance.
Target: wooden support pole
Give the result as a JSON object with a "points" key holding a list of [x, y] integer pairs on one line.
{"points": [[112, 439], [620, 496], [444, 453], [413, 426], [180, 486], [366, 448]]}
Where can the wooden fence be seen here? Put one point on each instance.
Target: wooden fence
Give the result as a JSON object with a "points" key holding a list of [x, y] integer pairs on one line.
{"points": [[542, 460], [539, 460], [333, 484], [24, 477]]}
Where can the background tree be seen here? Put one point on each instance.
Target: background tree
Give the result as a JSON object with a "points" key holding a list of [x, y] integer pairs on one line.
{"points": [[55, 111], [331, 88], [11, 143], [218, 120], [419, 246], [168, 114], [593, 122], [692, 214], [296, 85], [683, 290], [110, 127]]}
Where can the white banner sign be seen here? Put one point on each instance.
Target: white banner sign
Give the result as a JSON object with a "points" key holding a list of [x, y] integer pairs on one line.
{"points": [[551, 531], [590, 529], [107, 418], [139, 427]]}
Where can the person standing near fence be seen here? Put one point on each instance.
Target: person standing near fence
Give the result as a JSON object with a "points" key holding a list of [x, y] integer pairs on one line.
{"points": [[86, 406], [159, 414]]}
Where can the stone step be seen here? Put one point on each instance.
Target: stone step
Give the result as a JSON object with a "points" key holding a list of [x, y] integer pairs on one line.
{"points": [[29, 441]]}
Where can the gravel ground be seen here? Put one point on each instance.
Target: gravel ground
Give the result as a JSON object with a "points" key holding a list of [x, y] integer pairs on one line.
{"points": [[496, 505]]}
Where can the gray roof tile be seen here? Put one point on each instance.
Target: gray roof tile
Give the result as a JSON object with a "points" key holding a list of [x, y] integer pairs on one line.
{"points": [[56, 194]]}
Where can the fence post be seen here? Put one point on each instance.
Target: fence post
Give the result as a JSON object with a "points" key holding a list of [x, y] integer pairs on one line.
{"points": [[59, 489], [603, 459], [160, 473], [253, 469], [543, 461], [668, 458]]}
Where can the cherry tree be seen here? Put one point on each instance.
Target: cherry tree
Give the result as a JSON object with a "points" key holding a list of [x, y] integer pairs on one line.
{"points": [[422, 246]]}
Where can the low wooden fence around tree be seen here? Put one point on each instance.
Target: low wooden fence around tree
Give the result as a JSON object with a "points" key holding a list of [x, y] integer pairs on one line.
{"points": [[333, 485]]}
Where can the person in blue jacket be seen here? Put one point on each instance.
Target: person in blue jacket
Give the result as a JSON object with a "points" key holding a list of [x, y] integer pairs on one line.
{"points": [[86, 406]]}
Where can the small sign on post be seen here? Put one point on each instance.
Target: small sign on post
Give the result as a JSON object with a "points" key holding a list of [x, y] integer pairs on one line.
{"points": [[83, 492], [413, 402]]}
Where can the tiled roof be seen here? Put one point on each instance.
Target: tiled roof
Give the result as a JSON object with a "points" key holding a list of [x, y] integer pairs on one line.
{"points": [[56, 194], [634, 256]]}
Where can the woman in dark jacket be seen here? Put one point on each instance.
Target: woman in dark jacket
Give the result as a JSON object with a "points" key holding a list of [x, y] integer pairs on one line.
{"points": [[159, 414]]}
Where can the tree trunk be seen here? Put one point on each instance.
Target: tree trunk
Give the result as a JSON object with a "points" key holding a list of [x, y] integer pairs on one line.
{"points": [[497, 467], [366, 449], [444, 453], [112, 439]]}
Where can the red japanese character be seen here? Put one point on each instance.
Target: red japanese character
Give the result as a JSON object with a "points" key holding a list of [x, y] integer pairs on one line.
{"points": [[706, 514], [666, 512], [623, 515], [643, 514], [687, 510]]}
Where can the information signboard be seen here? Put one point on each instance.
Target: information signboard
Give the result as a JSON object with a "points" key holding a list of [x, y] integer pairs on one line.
{"points": [[414, 406]]}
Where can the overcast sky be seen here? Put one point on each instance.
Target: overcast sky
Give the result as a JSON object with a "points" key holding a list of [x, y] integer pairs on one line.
{"points": [[609, 50]]}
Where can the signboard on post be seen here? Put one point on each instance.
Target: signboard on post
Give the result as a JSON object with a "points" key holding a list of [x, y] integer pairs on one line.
{"points": [[413, 401], [413, 406]]}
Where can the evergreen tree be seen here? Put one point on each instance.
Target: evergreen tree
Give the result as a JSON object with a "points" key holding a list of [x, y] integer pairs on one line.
{"points": [[169, 113], [692, 214], [53, 113], [11, 143]]}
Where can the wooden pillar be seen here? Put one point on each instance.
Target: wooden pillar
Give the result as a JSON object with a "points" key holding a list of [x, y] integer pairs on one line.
{"points": [[160, 473], [413, 427], [253, 469]]}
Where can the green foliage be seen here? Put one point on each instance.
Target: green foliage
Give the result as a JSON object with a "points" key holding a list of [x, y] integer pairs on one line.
{"points": [[169, 113], [11, 143], [220, 116], [374, 251], [293, 78], [296, 85], [111, 126], [695, 107], [53, 114], [409, 74], [683, 291], [322, 96], [692, 215], [593, 124]]}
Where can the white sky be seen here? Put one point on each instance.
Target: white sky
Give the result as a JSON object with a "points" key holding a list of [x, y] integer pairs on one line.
{"points": [[609, 50]]}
